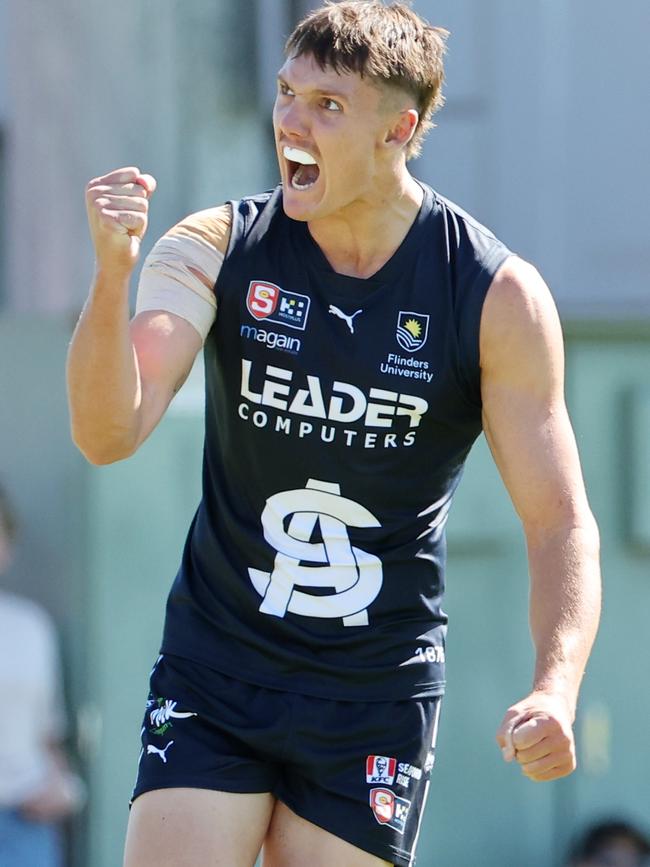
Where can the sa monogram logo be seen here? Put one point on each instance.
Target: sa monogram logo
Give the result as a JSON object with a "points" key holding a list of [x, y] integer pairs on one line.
{"points": [[355, 575]]}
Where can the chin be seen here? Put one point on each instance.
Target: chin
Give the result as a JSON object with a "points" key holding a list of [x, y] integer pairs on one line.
{"points": [[297, 209]]}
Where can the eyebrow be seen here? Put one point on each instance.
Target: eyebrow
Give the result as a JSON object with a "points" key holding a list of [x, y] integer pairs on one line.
{"points": [[318, 90]]}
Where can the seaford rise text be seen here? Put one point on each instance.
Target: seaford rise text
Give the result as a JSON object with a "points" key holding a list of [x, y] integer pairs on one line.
{"points": [[343, 404]]}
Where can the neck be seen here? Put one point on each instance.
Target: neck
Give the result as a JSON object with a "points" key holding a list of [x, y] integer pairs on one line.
{"points": [[360, 238]]}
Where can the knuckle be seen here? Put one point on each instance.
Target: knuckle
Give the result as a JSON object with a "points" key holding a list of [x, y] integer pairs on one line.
{"points": [[135, 220], [107, 217], [136, 190], [139, 204], [95, 194]]}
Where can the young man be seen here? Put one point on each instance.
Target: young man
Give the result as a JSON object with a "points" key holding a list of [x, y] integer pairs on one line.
{"points": [[359, 332]]}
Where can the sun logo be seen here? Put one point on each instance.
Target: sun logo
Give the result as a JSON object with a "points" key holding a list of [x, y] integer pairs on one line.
{"points": [[414, 327], [412, 330]]}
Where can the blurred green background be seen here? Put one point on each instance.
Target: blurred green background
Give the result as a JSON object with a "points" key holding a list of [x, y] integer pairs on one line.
{"points": [[544, 138]]}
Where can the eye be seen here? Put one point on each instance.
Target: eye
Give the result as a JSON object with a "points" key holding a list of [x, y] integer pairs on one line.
{"points": [[284, 89], [330, 104]]}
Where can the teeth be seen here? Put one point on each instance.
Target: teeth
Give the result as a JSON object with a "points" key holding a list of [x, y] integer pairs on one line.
{"points": [[298, 186], [298, 156]]}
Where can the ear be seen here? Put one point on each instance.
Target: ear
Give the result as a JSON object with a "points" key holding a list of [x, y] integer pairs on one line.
{"points": [[402, 131]]}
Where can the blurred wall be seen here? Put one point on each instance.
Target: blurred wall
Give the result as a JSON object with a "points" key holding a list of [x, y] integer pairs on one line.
{"points": [[90, 87], [545, 138]]}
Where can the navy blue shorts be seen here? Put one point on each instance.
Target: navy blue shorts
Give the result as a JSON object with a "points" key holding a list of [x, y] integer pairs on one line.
{"points": [[360, 770]]}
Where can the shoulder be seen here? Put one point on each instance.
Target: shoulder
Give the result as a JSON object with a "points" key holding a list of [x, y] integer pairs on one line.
{"points": [[518, 298], [210, 227], [465, 232], [520, 327]]}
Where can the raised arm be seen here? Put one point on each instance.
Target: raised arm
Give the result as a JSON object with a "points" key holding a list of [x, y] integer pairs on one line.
{"points": [[122, 375], [530, 435]]}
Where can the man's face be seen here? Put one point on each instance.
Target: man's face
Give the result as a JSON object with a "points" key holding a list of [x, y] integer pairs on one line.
{"points": [[338, 120]]}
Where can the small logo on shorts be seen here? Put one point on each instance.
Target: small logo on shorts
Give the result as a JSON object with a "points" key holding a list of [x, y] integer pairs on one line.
{"points": [[154, 751], [388, 809], [165, 711], [429, 763], [380, 769]]}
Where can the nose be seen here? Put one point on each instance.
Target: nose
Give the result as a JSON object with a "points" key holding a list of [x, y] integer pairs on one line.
{"points": [[292, 120]]}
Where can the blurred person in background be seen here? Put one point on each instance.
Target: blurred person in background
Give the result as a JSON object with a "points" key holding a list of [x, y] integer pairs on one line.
{"points": [[360, 331], [611, 843], [37, 788]]}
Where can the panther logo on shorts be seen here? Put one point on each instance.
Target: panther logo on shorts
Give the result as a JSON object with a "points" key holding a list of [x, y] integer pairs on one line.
{"points": [[354, 575], [162, 754]]}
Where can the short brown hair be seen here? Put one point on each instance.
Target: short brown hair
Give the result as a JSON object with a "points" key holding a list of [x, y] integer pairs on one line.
{"points": [[390, 44], [8, 519]]}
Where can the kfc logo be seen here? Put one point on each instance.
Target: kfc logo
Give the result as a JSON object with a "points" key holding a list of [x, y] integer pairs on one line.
{"points": [[380, 769]]}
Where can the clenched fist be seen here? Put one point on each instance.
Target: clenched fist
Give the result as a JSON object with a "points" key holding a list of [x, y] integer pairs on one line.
{"points": [[537, 732], [118, 205]]}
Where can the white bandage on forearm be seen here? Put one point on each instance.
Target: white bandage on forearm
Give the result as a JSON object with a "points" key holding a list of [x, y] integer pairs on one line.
{"points": [[170, 280]]}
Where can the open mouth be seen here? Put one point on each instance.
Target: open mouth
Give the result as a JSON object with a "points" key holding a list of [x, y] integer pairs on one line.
{"points": [[303, 168]]}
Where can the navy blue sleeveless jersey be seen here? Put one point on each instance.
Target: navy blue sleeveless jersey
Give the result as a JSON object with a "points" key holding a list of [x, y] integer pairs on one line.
{"points": [[339, 414]]}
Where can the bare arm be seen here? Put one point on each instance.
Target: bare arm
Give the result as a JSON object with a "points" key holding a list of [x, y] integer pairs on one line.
{"points": [[122, 375], [530, 435]]}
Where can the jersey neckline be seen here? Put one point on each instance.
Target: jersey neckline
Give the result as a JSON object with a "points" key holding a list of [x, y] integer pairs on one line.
{"points": [[391, 269]]}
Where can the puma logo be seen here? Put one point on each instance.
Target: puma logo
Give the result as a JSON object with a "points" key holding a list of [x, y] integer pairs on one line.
{"points": [[341, 315], [151, 750]]}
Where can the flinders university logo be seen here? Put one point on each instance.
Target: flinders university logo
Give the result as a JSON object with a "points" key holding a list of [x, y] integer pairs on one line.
{"points": [[412, 330], [353, 576]]}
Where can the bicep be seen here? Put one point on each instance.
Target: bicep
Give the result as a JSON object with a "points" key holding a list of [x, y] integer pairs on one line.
{"points": [[525, 417], [176, 308], [165, 346]]}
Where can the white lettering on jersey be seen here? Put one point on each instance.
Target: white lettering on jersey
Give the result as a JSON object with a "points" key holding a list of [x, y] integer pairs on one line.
{"points": [[347, 403], [355, 575]]}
